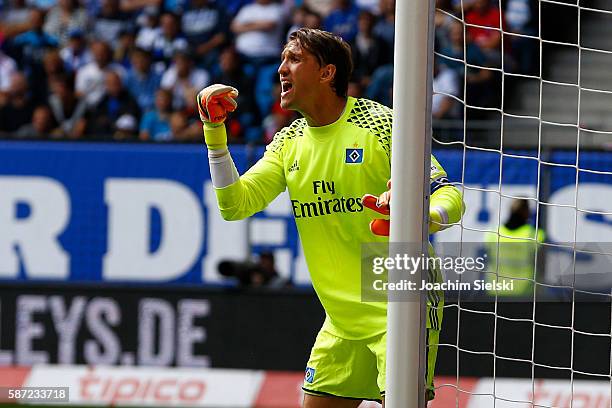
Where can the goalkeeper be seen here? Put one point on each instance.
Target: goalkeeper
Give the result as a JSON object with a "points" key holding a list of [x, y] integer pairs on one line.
{"points": [[327, 160]]}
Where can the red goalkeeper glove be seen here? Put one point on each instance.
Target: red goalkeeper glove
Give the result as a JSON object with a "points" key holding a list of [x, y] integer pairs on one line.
{"points": [[377, 226], [214, 103], [381, 206]]}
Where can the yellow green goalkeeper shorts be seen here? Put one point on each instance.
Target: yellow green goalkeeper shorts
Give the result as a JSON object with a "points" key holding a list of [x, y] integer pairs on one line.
{"points": [[356, 368]]}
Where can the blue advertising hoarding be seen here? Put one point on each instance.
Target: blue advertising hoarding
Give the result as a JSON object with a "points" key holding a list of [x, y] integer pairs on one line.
{"points": [[146, 214]]}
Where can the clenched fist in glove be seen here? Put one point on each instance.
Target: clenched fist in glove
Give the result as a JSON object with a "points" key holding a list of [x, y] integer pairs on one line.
{"points": [[380, 204], [214, 103]]}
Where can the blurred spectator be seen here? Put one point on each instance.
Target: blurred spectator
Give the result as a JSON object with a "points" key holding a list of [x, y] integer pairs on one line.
{"points": [[76, 54], [169, 39], [41, 127], [182, 130], [31, 46], [385, 27], [155, 124], [343, 19], [16, 13], [380, 88], [304, 17], [205, 27], [519, 17], [369, 50], [184, 81], [481, 88], [298, 18], [67, 108], [18, 107], [52, 63], [455, 50], [142, 81], [265, 80], [231, 72], [126, 128], [443, 20], [66, 16], [266, 274], [478, 80], [514, 253], [8, 67], [445, 86], [258, 28], [124, 47], [116, 102], [251, 274], [313, 20], [149, 30], [52, 66], [90, 78], [485, 14], [40, 74], [110, 22]]}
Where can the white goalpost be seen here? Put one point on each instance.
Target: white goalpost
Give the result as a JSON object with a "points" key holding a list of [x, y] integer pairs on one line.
{"points": [[548, 139], [410, 174]]}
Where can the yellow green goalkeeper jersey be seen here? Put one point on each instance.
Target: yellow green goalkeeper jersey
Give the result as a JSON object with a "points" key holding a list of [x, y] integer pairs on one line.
{"points": [[327, 170]]}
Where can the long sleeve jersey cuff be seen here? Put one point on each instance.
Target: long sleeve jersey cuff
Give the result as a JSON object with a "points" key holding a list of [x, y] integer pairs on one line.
{"points": [[447, 202]]}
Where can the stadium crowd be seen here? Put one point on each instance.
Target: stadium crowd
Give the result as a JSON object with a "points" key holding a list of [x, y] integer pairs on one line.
{"points": [[130, 69]]}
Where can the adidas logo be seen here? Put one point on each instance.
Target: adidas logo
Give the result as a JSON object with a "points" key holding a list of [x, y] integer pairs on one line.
{"points": [[294, 167]]}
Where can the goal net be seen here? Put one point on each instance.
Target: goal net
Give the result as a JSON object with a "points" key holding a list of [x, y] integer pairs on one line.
{"points": [[522, 112]]}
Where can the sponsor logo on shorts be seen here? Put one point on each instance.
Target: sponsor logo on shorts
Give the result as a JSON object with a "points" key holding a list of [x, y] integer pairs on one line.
{"points": [[310, 374]]}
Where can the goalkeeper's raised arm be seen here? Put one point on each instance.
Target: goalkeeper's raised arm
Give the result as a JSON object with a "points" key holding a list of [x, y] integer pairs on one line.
{"points": [[238, 197], [446, 203]]}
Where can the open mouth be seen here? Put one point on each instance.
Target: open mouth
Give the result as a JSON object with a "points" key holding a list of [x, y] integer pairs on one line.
{"points": [[286, 87]]}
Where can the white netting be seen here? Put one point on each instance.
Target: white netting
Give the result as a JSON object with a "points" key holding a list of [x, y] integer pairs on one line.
{"points": [[541, 135]]}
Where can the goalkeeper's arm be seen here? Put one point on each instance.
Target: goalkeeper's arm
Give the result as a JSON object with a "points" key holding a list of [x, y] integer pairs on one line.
{"points": [[446, 207], [214, 103], [238, 196]]}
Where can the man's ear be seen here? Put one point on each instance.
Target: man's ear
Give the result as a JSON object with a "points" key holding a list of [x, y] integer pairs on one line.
{"points": [[328, 73]]}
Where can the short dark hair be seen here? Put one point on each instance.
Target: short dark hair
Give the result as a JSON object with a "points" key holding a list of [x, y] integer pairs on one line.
{"points": [[141, 51], [328, 48]]}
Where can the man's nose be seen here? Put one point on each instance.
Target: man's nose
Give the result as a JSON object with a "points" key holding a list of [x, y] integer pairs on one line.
{"points": [[282, 68]]}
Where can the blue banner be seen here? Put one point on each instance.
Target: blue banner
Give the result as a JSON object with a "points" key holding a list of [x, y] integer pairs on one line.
{"points": [[146, 214]]}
